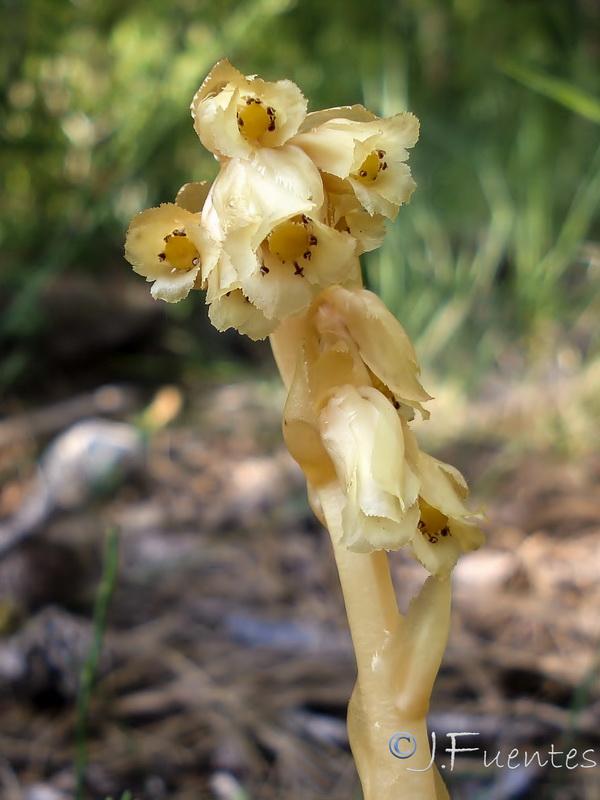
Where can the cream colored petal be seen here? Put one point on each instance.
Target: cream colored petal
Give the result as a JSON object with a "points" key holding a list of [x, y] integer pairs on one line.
{"points": [[366, 534], [381, 340], [281, 288], [369, 230], [175, 287], [440, 557], [356, 113], [359, 428], [222, 279], [192, 196], [280, 292], [393, 188], [332, 147], [220, 75], [443, 487], [146, 249], [333, 258], [219, 108], [259, 194], [340, 147], [345, 213], [233, 310]]}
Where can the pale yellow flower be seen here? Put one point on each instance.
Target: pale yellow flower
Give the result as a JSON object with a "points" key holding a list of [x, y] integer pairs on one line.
{"points": [[358, 322], [374, 456], [355, 388], [236, 114], [234, 310], [345, 213], [266, 213], [171, 247], [368, 152], [446, 528]]}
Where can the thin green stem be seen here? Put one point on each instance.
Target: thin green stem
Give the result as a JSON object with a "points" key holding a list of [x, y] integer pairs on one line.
{"points": [[90, 666]]}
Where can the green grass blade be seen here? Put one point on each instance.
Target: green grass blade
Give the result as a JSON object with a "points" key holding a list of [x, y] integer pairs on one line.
{"points": [[90, 667], [561, 91]]}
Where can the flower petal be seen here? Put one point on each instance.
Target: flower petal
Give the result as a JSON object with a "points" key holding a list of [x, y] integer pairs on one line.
{"points": [[234, 115], [192, 196], [234, 310], [359, 429], [381, 341], [440, 557], [369, 155], [170, 246]]}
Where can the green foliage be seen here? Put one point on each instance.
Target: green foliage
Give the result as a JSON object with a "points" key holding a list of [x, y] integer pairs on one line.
{"points": [[90, 667], [95, 128]]}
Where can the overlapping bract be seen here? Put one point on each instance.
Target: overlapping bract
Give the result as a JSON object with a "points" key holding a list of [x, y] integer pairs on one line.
{"points": [[355, 390], [278, 234], [297, 199]]}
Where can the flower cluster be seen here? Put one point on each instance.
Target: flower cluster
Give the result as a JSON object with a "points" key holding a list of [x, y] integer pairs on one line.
{"points": [[355, 390], [278, 234], [298, 197]]}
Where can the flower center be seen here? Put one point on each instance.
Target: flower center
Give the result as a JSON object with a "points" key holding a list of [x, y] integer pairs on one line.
{"points": [[433, 523], [371, 166], [254, 119], [291, 240], [179, 251]]}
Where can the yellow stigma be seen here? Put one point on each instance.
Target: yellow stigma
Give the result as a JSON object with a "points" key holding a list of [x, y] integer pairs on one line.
{"points": [[180, 252], [433, 523], [290, 240], [370, 167], [254, 119]]}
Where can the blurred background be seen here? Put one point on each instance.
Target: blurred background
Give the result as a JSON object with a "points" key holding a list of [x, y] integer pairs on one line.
{"points": [[494, 271]]}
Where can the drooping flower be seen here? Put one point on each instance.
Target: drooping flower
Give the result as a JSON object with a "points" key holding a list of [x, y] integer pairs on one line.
{"points": [[446, 527], [236, 114], [368, 152], [374, 455], [346, 420], [277, 252], [171, 247], [345, 213]]}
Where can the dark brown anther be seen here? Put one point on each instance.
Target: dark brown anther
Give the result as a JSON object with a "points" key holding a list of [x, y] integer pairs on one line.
{"points": [[313, 241], [264, 270], [363, 173], [298, 269], [162, 256], [307, 255], [384, 165]]}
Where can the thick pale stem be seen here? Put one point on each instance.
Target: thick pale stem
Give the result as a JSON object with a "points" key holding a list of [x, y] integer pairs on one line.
{"points": [[398, 656], [367, 587]]}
